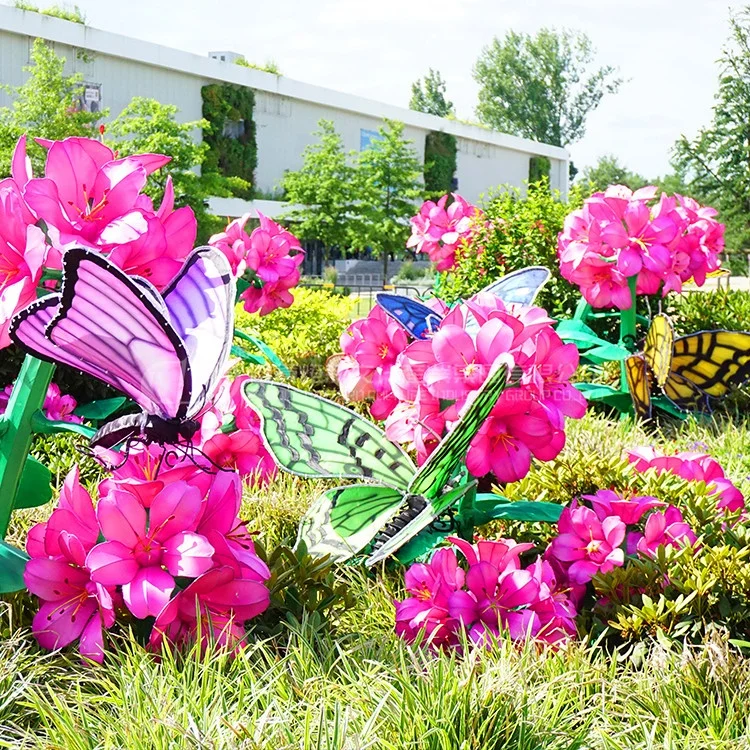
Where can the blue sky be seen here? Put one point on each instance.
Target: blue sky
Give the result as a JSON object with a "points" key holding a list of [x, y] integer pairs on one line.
{"points": [[665, 49]]}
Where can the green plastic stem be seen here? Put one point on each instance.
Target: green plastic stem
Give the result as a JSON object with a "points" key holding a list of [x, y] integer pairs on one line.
{"points": [[26, 399], [628, 329]]}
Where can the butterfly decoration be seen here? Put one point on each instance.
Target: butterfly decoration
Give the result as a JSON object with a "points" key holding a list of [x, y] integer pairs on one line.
{"points": [[165, 351], [419, 321], [690, 369], [402, 508]]}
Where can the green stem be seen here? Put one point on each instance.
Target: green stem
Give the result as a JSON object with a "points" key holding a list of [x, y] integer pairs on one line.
{"points": [[628, 329], [27, 397]]}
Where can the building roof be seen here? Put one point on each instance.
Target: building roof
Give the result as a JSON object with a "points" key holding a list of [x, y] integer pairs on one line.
{"points": [[29, 23]]}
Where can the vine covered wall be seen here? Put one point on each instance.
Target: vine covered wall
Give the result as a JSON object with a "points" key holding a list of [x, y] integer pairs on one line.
{"points": [[539, 168], [233, 150], [439, 162]]}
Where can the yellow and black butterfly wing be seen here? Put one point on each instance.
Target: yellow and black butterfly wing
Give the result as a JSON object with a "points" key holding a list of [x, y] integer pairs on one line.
{"points": [[639, 385], [714, 362], [658, 348], [684, 394]]}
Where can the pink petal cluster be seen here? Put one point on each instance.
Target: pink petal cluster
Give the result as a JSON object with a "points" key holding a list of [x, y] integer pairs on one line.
{"points": [[695, 467], [269, 258], [619, 234], [86, 198], [422, 387], [439, 231], [172, 548], [595, 540], [56, 407], [494, 595]]}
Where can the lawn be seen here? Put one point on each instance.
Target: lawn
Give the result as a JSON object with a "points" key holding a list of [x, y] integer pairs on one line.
{"points": [[351, 683]]}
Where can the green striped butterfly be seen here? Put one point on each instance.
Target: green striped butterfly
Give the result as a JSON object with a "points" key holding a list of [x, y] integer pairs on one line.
{"points": [[313, 437]]}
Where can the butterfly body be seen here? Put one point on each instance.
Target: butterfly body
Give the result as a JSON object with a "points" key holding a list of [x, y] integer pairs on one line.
{"points": [[165, 351], [147, 429]]}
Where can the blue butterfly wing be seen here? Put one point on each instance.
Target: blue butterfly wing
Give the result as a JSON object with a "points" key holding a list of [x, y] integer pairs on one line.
{"points": [[418, 320], [520, 287]]}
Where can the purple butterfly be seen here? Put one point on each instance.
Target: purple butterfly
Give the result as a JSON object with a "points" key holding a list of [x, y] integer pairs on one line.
{"points": [[166, 351]]}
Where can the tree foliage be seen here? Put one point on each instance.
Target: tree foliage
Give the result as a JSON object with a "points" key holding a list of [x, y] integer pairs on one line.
{"points": [[440, 151], [386, 185], [609, 171], [716, 163], [321, 190], [428, 95], [45, 106], [542, 87], [146, 126]]}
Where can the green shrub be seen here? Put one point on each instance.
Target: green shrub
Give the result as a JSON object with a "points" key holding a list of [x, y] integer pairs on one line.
{"points": [[705, 311], [305, 334], [520, 231], [409, 272]]}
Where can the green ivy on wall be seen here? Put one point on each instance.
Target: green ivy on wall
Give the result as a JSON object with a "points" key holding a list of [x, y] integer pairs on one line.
{"points": [[233, 150], [539, 167], [439, 162]]}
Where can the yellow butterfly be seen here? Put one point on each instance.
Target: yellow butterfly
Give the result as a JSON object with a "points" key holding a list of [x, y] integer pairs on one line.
{"points": [[690, 369]]}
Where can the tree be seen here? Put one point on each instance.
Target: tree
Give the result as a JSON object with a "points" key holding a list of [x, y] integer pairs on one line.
{"points": [[387, 183], [322, 189], [716, 163], [148, 126], [541, 87], [47, 105], [608, 171], [429, 95]]}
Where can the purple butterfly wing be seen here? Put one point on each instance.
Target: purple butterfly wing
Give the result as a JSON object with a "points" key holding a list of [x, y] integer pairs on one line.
{"points": [[28, 331], [200, 300], [108, 327]]}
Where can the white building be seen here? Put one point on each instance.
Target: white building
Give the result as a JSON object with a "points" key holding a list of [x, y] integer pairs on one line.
{"points": [[116, 68]]}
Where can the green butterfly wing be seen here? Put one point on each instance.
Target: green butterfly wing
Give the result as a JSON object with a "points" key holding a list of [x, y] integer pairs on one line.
{"points": [[445, 460], [343, 521], [313, 437], [417, 526]]}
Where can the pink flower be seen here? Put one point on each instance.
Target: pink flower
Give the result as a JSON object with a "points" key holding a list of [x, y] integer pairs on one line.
{"points": [[73, 606], [272, 255], [242, 451], [22, 253], [608, 503], [227, 534], [662, 529], [145, 551], [426, 610], [58, 407], [590, 545], [88, 195], [692, 466], [234, 242], [619, 234], [438, 231], [216, 605]]}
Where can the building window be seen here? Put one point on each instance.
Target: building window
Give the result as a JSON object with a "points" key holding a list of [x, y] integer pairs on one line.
{"points": [[90, 99], [233, 128]]}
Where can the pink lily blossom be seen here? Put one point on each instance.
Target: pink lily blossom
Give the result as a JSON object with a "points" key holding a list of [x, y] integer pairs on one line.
{"points": [[145, 551], [590, 546]]}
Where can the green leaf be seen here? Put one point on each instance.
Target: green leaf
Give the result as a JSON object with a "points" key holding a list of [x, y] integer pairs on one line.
{"points": [[100, 409], [253, 359], [12, 564], [496, 507], [35, 488]]}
